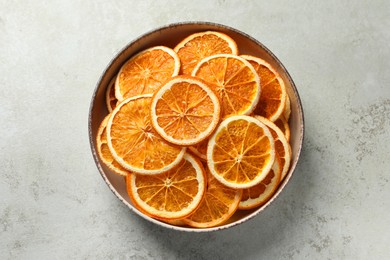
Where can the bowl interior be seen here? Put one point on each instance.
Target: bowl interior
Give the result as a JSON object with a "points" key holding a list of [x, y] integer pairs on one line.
{"points": [[169, 36]]}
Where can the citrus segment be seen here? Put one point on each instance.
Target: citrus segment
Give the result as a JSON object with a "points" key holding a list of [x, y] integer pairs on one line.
{"points": [[282, 147], [135, 144], [104, 152], [259, 194], [234, 80], [273, 92], [111, 100], [173, 194], [241, 152], [185, 111], [198, 46], [219, 204], [146, 72]]}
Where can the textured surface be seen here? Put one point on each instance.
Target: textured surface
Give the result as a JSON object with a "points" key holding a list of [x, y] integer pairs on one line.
{"points": [[55, 205]]}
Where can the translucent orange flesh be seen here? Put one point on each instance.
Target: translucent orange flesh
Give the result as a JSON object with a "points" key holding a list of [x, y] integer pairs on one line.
{"points": [[146, 73], [185, 111], [199, 48], [219, 203], [271, 92], [170, 191], [136, 142], [245, 140], [234, 83]]}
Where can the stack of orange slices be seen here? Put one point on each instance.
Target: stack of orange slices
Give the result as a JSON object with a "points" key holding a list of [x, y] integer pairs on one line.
{"points": [[199, 131]]}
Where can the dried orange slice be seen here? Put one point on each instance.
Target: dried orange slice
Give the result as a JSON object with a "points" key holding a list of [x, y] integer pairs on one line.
{"points": [[200, 149], [175, 222], [146, 72], [241, 152], [282, 147], [104, 152], [234, 80], [135, 144], [282, 123], [219, 204], [273, 92], [173, 194], [198, 46], [111, 100], [260, 194], [185, 111], [287, 109]]}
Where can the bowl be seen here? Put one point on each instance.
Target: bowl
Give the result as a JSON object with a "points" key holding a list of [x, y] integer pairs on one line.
{"points": [[169, 36]]}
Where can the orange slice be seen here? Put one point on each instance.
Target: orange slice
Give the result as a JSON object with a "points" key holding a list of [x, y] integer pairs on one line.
{"points": [[173, 194], [111, 100], [234, 80], [218, 205], [135, 144], [185, 111], [282, 147], [104, 152], [200, 149], [273, 92], [282, 123], [241, 152], [175, 222], [287, 109], [260, 194], [198, 46], [146, 72]]}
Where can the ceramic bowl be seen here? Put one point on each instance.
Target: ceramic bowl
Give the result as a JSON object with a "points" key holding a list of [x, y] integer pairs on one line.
{"points": [[169, 36]]}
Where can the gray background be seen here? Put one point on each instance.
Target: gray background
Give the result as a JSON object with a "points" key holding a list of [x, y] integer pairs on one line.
{"points": [[55, 205]]}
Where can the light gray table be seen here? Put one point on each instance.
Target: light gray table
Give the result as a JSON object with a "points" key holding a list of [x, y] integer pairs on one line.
{"points": [[55, 205]]}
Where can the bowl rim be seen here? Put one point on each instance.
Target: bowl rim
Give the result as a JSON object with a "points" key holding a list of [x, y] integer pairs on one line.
{"points": [[190, 229]]}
